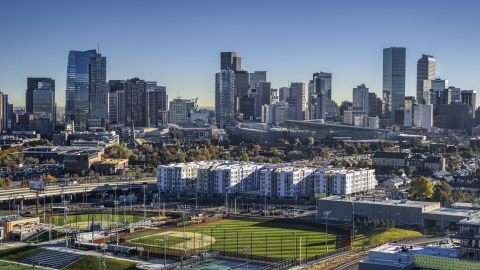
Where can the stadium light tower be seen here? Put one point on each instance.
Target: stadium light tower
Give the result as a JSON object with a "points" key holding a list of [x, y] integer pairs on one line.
{"points": [[246, 253], [116, 215], [295, 239], [218, 236], [165, 239], [144, 204], [326, 214]]}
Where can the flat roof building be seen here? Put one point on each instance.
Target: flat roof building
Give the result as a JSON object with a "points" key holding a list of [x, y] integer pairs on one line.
{"points": [[402, 212], [322, 131]]}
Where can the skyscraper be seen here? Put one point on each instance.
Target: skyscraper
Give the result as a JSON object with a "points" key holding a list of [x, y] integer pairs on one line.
{"points": [[257, 76], [116, 102], [231, 61], [98, 92], [157, 100], [322, 90], [77, 92], [361, 98], [136, 108], [393, 79], [426, 70], [298, 99], [37, 83], [225, 98], [470, 97], [43, 105], [242, 84]]}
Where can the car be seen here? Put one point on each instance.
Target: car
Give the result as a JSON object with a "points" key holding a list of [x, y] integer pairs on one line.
{"points": [[122, 240]]}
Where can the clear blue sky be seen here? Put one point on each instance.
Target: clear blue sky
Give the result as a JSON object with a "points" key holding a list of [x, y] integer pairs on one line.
{"points": [[178, 43]]}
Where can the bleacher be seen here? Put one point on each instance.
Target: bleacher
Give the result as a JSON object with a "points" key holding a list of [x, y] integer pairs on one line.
{"points": [[87, 237], [53, 259]]}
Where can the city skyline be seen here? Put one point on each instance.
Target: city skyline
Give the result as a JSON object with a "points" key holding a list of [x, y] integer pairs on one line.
{"points": [[288, 51]]}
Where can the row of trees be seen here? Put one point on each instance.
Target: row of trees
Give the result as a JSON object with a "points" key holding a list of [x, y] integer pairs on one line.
{"points": [[375, 224]]}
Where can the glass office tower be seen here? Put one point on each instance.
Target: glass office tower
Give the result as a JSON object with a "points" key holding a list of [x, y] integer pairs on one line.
{"points": [[394, 79], [77, 92]]}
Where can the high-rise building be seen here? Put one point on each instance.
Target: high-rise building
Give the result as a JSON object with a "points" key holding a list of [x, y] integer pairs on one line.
{"points": [[298, 100], [284, 93], [322, 90], [225, 98], [43, 105], [157, 100], [77, 92], [361, 98], [470, 97], [434, 91], [264, 96], [409, 101], [116, 107], [98, 92], [181, 109], [116, 102], [136, 107], [426, 70], [423, 116], [256, 77], [37, 83], [394, 60], [7, 115], [374, 105], [231, 61], [242, 84]]}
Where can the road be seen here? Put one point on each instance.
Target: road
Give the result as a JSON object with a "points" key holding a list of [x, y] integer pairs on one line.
{"points": [[26, 193]]}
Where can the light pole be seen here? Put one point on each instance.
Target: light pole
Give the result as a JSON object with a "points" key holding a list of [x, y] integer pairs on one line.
{"points": [[226, 199], [144, 203], [159, 203], [165, 239], [246, 259], [326, 214], [116, 215], [218, 240], [353, 223], [295, 239], [124, 201], [265, 191]]}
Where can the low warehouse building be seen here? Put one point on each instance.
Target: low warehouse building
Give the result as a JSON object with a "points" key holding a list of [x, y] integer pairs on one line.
{"points": [[402, 212]]}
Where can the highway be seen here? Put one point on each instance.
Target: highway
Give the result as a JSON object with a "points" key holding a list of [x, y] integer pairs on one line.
{"points": [[26, 193]]}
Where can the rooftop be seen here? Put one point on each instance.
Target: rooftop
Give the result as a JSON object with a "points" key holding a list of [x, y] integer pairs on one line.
{"points": [[404, 250], [397, 264], [452, 212], [385, 201], [472, 222]]}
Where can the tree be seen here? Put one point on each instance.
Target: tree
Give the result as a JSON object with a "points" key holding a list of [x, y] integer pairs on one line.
{"points": [[375, 223], [421, 188], [365, 223], [392, 223], [310, 141], [257, 148], [382, 224], [297, 142], [442, 191], [244, 157], [449, 202]]}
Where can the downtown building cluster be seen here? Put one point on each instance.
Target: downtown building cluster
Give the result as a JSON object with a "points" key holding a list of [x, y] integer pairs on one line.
{"points": [[245, 96], [223, 178]]}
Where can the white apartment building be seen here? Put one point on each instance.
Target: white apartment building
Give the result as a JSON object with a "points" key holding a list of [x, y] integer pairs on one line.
{"points": [[220, 178], [344, 182]]}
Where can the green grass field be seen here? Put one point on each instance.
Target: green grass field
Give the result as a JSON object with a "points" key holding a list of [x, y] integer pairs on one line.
{"points": [[380, 236], [270, 238], [82, 221], [18, 254], [14, 266], [91, 262]]}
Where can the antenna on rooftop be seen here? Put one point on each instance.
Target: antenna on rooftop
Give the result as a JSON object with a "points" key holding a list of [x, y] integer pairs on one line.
{"points": [[98, 47]]}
